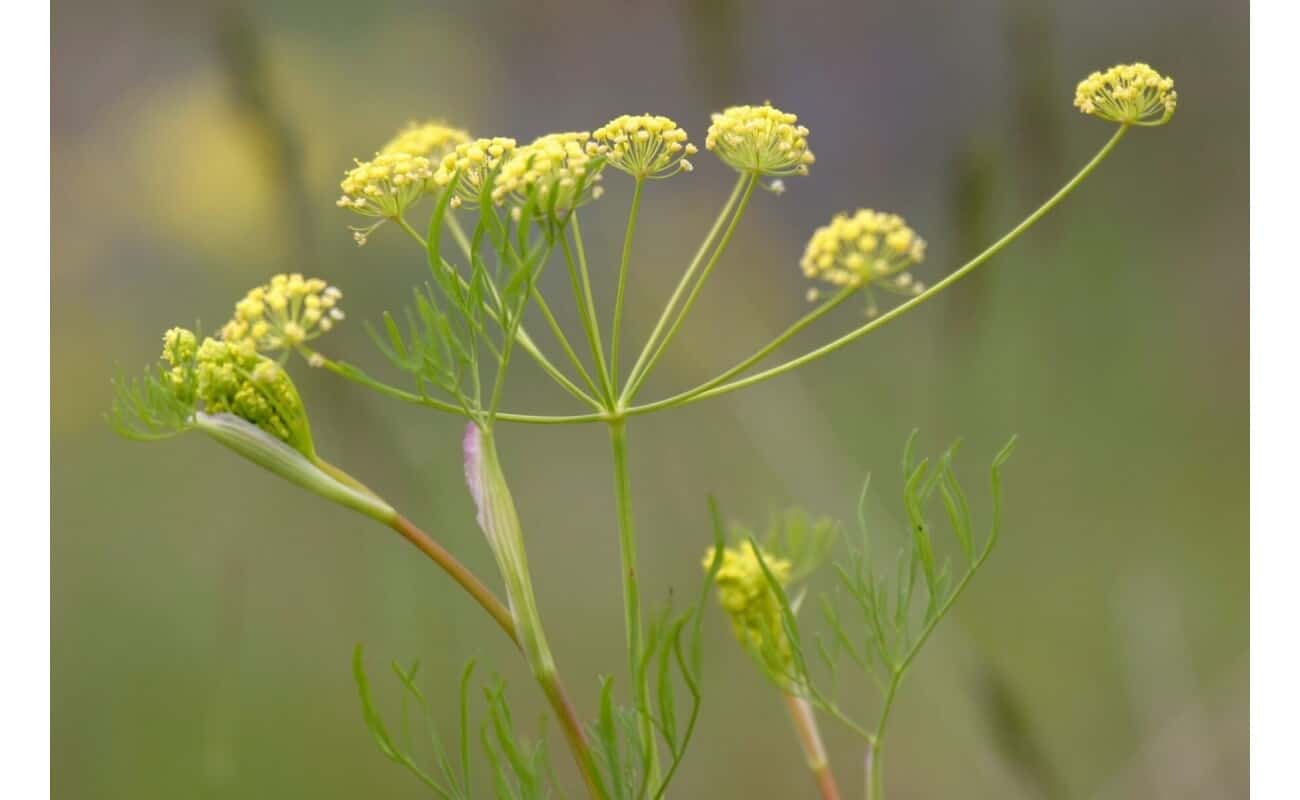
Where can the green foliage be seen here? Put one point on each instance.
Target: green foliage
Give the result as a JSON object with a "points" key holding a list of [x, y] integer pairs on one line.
{"points": [[519, 770], [882, 611], [147, 408], [672, 655], [460, 322]]}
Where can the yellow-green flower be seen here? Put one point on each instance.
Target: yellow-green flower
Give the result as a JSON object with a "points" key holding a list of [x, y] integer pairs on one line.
{"points": [[644, 146], [467, 168], [180, 347], [863, 248], [386, 185], [283, 314], [750, 601], [232, 378], [761, 140], [557, 170], [1130, 94], [432, 140]]}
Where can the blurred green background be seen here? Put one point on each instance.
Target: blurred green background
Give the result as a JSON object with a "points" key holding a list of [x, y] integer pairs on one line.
{"points": [[204, 614]]}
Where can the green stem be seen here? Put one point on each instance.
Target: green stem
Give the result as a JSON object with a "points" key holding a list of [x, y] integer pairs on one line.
{"points": [[634, 383], [558, 332], [586, 307], [685, 280], [803, 322], [622, 279], [357, 376], [898, 311], [632, 595], [521, 336], [458, 233]]}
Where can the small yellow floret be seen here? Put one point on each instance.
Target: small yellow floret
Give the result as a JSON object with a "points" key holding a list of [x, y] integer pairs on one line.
{"points": [[760, 140], [557, 169], [644, 146], [432, 140], [467, 168], [285, 313], [1130, 94], [752, 604], [386, 185], [862, 248]]}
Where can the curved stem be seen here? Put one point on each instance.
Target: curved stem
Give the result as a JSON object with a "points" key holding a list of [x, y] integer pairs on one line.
{"points": [[805, 726], [459, 573], [550, 682], [898, 311], [634, 383], [685, 280], [357, 376], [622, 279]]}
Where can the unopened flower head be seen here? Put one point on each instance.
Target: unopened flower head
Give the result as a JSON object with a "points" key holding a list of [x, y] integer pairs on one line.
{"points": [[283, 314], [232, 378], [863, 248], [432, 140], [467, 168], [557, 170], [1130, 94], [751, 602], [180, 347], [386, 185], [761, 140], [644, 146]]}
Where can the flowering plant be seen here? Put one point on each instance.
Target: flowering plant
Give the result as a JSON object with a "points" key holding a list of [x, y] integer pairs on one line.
{"points": [[499, 214]]}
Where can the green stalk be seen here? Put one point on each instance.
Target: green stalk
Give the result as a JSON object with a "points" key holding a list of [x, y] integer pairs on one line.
{"points": [[582, 297], [634, 383], [807, 319], [632, 595], [898, 311], [622, 279], [721, 220]]}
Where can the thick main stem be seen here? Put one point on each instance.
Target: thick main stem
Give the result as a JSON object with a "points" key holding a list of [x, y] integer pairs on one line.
{"points": [[632, 595], [805, 726], [550, 682]]}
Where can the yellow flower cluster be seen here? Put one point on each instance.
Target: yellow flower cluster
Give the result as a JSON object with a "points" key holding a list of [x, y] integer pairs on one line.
{"points": [[752, 604], [644, 146], [232, 378], [386, 185], [284, 313], [760, 140], [432, 140], [179, 350], [865, 247], [557, 168], [467, 168], [1130, 94]]}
